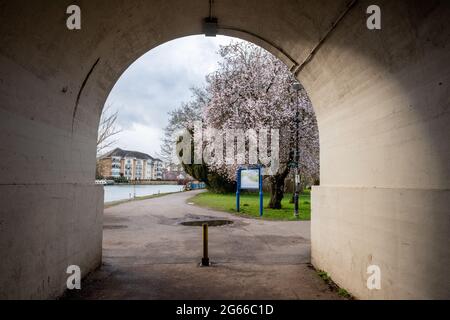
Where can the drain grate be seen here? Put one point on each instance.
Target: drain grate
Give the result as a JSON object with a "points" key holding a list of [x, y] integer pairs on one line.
{"points": [[210, 223]]}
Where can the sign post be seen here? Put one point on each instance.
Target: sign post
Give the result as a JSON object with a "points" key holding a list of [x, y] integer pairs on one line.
{"points": [[238, 190], [249, 179], [261, 194]]}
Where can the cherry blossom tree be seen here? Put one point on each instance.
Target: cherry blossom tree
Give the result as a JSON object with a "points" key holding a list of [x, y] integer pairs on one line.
{"points": [[254, 90]]}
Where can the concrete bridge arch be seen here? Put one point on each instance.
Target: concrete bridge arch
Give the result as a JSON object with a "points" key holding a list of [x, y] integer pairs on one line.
{"points": [[381, 98]]}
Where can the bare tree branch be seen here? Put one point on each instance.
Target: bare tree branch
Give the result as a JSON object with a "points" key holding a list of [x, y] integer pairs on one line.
{"points": [[107, 129]]}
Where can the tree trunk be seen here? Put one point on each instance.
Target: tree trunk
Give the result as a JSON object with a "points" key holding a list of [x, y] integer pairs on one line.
{"points": [[277, 189], [276, 194]]}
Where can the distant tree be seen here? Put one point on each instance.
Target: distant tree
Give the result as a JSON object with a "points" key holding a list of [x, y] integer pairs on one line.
{"points": [[213, 180], [180, 119], [99, 170], [107, 130]]}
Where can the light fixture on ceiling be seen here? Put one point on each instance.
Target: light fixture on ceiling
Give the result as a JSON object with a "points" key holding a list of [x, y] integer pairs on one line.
{"points": [[210, 24]]}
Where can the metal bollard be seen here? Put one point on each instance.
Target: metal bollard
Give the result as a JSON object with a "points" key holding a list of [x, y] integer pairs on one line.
{"points": [[205, 259]]}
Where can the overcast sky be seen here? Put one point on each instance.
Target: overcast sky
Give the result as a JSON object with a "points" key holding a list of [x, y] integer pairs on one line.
{"points": [[157, 83]]}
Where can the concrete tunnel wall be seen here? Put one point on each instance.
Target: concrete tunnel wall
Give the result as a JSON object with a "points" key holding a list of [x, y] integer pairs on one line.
{"points": [[381, 99]]}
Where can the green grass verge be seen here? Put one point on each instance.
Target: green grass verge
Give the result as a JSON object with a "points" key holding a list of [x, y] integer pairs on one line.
{"points": [[332, 285], [250, 205]]}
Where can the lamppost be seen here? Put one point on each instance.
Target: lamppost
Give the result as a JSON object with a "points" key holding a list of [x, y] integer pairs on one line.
{"points": [[297, 87]]}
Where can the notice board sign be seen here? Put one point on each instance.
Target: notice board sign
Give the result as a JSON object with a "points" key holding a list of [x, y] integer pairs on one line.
{"points": [[249, 179]]}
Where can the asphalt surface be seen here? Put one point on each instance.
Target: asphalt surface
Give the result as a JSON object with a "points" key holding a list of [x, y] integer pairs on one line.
{"points": [[149, 254]]}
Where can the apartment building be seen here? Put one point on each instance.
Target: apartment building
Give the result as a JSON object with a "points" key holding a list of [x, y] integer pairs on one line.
{"points": [[132, 165]]}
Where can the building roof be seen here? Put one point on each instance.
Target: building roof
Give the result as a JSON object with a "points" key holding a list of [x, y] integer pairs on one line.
{"points": [[127, 154]]}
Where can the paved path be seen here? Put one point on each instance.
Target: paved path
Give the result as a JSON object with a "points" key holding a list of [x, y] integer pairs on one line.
{"points": [[148, 254]]}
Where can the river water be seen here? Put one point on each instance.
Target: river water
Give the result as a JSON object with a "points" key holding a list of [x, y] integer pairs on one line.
{"points": [[124, 192]]}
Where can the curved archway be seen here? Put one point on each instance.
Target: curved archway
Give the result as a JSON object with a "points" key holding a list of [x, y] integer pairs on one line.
{"points": [[381, 99]]}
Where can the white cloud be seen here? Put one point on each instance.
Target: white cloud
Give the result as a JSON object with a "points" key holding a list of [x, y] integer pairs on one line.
{"points": [[157, 83], [141, 138]]}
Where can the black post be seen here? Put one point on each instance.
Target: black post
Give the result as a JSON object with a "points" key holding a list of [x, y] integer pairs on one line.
{"points": [[205, 259]]}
